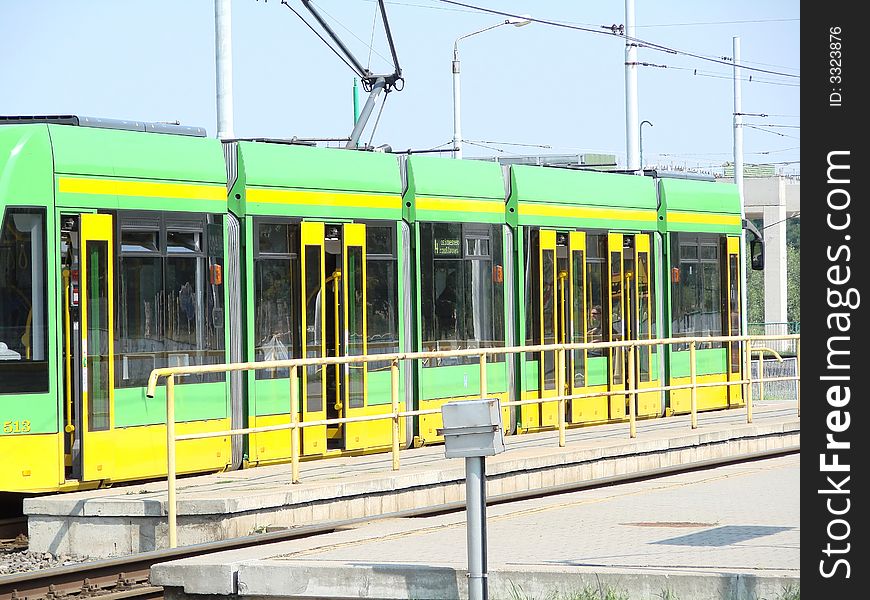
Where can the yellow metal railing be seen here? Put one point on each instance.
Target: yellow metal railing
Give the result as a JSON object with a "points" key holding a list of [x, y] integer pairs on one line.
{"points": [[170, 373]]}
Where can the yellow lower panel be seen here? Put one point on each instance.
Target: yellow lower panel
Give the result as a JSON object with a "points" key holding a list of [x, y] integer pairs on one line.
{"points": [[31, 463], [539, 416], [549, 411], [271, 446], [530, 414], [140, 452], [735, 393], [369, 435], [589, 410], [708, 398], [617, 405], [429, 424], [649, 404]]}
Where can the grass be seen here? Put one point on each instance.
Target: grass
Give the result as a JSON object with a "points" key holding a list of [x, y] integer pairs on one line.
{"points": [[587, 593]]}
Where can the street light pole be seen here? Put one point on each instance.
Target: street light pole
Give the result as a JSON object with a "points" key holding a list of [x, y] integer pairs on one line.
{"points": [[457, 120], [640, 141]]}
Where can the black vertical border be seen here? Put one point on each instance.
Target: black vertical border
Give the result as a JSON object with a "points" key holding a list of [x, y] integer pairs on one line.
{"points": [[831, 126]]}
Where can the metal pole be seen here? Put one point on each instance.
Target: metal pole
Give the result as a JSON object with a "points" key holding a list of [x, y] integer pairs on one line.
{"points": [[738, 180], [394, 396], [475, 505], [457, 124], [749, 386], [483, 391], [629, 380], [560, 387], [355, 104], [631, 127], [294, 419], [223, 68], [693, 372], [761, 376], [798, 373], [170, 461], [377, 88]]}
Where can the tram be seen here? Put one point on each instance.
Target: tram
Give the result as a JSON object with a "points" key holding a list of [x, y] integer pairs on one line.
{"points": [[127, 246]]}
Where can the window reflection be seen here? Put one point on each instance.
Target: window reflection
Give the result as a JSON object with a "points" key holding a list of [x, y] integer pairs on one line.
{"points": [[696, 287], [23, 333], [171, 302], [462, 288]]}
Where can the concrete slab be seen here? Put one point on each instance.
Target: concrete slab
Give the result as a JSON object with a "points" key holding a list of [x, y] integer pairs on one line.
{"points": [[225, 505], [700, 535]]}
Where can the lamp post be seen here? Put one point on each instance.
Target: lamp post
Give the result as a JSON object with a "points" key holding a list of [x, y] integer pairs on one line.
{"points": [[457, 125], [640, 141]]}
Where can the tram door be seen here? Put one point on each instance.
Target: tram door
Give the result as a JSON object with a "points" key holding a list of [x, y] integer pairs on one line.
{"points": [[561, 319], [616, 317], [88, 344], [639, 319], [548, 322], [732, 323], [334, 324]]}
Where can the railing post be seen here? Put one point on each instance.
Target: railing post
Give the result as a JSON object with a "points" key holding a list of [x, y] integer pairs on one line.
{"points": [[170, 461], [761, 376], [797, 367], [294, 419], [483, 391], [560, 390], [629, 381], [693, 371], [749, 385], [394, 396]]}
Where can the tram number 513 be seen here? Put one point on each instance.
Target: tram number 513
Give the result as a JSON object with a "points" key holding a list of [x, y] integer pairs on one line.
{"points": [[16, 426]]}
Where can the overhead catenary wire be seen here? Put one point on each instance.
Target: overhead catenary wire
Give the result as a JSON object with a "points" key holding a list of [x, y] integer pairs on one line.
{"points": [[600, 31]]}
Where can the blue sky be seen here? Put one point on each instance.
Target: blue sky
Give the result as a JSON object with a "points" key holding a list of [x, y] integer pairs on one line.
{"points": [[536, 85]]}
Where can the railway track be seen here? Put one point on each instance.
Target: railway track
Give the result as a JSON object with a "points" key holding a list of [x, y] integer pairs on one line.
{"points": [[127, 578], [13, 534]]}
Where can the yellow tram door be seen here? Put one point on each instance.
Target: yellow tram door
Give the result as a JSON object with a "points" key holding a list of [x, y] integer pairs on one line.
{"points": [[314, 309], [97, 345], [548, 321], [616, 319], [733, 322], [354, 334], [640, 320], [576, 326]]}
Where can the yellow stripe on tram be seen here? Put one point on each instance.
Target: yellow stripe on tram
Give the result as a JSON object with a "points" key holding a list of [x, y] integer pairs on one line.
{"points": [[681, 217], [583, 212], [148, 189], [483, 206], [324, 198]]}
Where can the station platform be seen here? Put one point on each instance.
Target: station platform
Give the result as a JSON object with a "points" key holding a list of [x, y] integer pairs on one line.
{"points": [[697, 535], [133, 518]]}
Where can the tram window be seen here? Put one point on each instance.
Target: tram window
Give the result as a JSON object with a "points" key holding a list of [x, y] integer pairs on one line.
{"points": [[182, 242], [277, 313], [170, 306], [734, 311], [596, 275], [275, 238], [696, 284], [462, 288], [138, 315], [139, 241], [382, 316], [532, 285], [23, 304]]}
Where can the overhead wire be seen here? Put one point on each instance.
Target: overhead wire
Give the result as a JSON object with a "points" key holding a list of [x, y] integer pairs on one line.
{"points": [[639, 41]]}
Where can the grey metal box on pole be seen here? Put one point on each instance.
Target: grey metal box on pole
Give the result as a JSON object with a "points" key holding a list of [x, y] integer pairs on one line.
{"points": [[472, 430]]}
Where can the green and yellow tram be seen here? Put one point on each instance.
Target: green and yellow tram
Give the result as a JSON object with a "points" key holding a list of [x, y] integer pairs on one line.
{"points": [[129, 246]]}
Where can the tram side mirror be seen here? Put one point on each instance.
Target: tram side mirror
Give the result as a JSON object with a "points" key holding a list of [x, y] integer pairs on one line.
{"points": [[756, 254]]}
